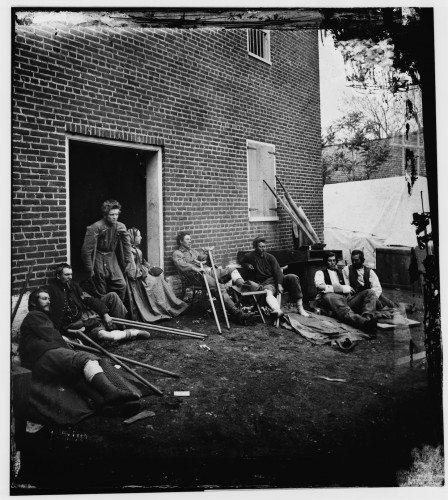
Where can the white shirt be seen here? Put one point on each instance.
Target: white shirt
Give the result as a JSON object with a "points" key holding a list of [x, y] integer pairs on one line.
{"points": [[374, 281], [335, 287]]}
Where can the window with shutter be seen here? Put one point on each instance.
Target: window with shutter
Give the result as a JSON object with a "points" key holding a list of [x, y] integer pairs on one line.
{"points": [[261, 166]]}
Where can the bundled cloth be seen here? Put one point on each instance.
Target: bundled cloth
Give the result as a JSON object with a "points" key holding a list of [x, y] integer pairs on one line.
{"points": [[321, 330]]}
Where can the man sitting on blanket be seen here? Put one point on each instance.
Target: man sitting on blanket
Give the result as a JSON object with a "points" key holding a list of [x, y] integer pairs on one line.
{"points": [[44, 351], [266, 274], [361, 277], [70, 306], [356, 309]]}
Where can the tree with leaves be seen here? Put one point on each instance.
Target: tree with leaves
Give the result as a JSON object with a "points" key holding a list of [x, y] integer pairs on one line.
{"points": [[355, 149]]}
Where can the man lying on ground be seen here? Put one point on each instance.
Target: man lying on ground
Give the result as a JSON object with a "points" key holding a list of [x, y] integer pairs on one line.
{"points": [[43, 350], [266, 274], [187, 259], [356, 309], [361, 277], [70, 305]]}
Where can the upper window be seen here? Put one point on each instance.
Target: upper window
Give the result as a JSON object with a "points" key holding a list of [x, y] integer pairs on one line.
{"points": [[258, 44], [261, 167]]}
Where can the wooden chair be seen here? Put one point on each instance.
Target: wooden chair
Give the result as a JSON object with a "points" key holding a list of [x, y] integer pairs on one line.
{"points": [[189, 281], [238, 296]]}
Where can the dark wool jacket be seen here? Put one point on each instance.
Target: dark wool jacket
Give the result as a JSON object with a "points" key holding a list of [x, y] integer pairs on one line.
{"points": [[105, 237], [79, 297], [264, 267], [37, 336]]}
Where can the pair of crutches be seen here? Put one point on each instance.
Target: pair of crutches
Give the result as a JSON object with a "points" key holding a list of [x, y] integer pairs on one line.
{"points": [[210, 296]]}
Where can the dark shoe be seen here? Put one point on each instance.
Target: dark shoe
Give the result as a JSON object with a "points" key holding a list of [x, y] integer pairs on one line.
{"points": [[112, 395], [119, 396], [243, 317], [124, 410], [370, 326]]}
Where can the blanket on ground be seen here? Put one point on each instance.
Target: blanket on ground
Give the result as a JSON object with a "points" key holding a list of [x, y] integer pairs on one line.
{"points": [[321, 330], [60, 404]]}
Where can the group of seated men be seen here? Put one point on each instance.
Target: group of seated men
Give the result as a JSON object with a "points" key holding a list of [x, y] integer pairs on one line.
{"points": [[353, 295], [262, 269], [62, 308]]}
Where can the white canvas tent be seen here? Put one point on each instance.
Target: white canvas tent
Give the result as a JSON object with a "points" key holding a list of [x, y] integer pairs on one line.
{"points": [[371, 214]]}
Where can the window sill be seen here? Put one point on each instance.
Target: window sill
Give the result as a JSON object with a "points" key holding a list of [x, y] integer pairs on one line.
{"points": [[267, 61], [264, 219]]}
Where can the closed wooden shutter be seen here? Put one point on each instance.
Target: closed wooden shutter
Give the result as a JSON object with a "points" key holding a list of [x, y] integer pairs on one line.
{"points": [[261, 166]]}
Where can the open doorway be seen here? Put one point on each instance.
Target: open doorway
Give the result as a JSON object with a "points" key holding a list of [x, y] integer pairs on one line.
{"points": [[99, 171]]}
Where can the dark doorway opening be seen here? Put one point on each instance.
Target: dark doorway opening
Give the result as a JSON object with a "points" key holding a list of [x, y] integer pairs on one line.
{"points": [[98, 172]]}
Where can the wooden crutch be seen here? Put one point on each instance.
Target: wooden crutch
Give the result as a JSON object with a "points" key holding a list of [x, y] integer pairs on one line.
{"points": [[209, 250], [210, 297], [113, 358]]}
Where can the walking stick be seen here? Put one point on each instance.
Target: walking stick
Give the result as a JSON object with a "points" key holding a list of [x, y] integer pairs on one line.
{"points": [[209, 250], [210, 297], [22, 291], [114, 358], [122, 358]]}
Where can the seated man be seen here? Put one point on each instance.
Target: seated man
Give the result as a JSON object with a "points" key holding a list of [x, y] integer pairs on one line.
{"points": [[268, 275], [361, 277], [43, 350], [69, 309], [356, 309], [187, 261]]}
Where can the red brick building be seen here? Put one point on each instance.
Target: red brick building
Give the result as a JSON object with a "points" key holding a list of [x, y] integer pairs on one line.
{"points": [[401, 148], [179, 125]]}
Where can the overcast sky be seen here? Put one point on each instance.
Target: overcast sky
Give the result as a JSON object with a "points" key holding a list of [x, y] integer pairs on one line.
{"points": [[332, 81]]}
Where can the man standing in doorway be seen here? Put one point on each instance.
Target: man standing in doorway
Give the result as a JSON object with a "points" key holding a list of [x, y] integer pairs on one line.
{"points": [[106, 241]]}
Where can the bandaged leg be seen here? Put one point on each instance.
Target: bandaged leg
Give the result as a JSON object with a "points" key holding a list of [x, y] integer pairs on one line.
{"points": [[114, 335], [128, 334], [236, 277], [91, 368], [273, 304]]}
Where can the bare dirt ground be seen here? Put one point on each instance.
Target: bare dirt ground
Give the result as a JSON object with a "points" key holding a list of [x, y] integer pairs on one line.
{"points": [[258, 415]]}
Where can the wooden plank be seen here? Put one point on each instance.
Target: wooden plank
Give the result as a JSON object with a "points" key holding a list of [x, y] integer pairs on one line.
{"points": [[409, 323]]}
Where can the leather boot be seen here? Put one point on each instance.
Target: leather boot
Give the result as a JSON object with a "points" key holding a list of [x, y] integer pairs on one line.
{"points": [[111, 394], [87, 391], [233, 310]]}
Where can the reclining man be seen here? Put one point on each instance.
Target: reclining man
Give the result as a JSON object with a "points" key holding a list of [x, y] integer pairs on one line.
{"points": [[266, 274], [356, 309], [70, 304], [186, 259], [43, 350], [361, 277]]}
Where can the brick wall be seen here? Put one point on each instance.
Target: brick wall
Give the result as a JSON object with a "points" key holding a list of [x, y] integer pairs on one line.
{"points": [[196, 92], [394, 165]]}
